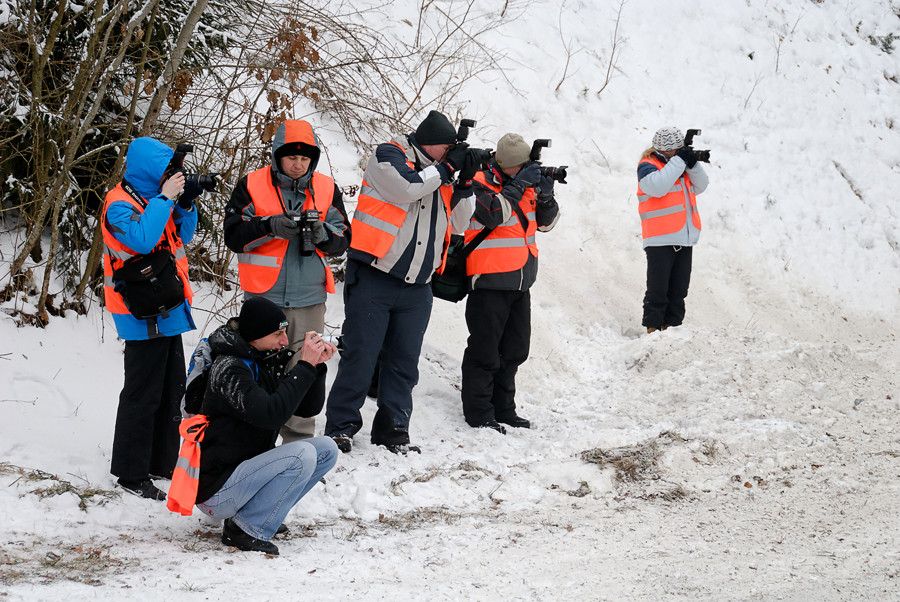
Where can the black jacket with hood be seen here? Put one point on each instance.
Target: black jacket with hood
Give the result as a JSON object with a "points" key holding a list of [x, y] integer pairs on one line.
{"points": [[246, 405]]}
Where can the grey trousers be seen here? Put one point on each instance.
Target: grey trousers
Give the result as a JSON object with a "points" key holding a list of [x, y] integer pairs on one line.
{"points": [[300, 321]]}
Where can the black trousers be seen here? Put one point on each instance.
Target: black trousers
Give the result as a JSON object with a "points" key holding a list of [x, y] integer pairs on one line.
{"points": [[668, 277], [499, 338], [146, 436]]}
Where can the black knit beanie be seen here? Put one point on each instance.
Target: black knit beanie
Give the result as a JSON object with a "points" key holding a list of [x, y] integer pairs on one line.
{"points": [[436, 129], [260, 317], [297, 148]]}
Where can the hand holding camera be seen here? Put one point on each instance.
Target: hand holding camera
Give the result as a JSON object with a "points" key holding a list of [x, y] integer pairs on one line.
{"points": [[284, 226], [694, 155], [173, 186], [456, 156], [688, 155]]}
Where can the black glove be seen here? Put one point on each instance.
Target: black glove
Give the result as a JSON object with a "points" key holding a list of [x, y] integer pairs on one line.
{"points": [[456, 156], [688, 155], [284, 226], [546, 191], [527, 177], [470, 167]]}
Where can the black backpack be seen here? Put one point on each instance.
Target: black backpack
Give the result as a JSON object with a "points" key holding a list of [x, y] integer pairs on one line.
{"points": [[198, 377]]}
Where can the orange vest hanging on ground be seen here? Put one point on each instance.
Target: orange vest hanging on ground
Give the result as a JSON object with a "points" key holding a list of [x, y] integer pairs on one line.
{"points": [[186, 478], [377, 222], [667, 214], [116, 253], [507, 247], [258, 268]]}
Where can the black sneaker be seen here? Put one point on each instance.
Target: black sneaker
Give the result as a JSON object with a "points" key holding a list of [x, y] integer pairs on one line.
{"points": [[516, 422], [343, 442], [490, 424], [232, 535], [143, 488], [403, 448]]}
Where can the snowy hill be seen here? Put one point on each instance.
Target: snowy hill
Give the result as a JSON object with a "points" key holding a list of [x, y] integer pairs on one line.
{"points": [[750, 454]]}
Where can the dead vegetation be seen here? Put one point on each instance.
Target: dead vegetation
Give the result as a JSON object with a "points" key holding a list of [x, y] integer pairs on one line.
{"points": [[86, 493]]}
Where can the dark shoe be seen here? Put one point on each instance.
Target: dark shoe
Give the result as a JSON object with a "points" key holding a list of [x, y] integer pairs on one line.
{"points": [[491, 424], [343, 442], [282, 529], [232, 535], [143, 488], [516, 422], [403, 448]]}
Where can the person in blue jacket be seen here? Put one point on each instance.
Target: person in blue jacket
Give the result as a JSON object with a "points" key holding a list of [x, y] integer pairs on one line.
{"points": [[150, 210]]}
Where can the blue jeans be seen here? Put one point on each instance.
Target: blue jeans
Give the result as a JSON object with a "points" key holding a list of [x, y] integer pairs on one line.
{"points": [[262, 490], [382, 315]]}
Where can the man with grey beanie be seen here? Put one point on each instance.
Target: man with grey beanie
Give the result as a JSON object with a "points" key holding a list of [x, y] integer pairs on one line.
{"points": [[415, 192], [669, 180], [513, 201]]}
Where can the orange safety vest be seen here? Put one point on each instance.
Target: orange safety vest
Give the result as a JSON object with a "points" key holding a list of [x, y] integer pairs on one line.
{"points": [[116, 253], [507, 247], [186, 476], [258, 268], [667, 214], [377, 221]]}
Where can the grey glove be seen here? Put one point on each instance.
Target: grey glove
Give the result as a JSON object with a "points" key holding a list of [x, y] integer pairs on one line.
{"points": [[284, 227], [319, 233]]}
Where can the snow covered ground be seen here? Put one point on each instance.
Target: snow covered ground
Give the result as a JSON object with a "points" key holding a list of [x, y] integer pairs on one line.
{"points": [[753, 453]]}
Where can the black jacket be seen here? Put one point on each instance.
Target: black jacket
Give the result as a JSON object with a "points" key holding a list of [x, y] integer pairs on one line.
{"points": [[246, 405]]}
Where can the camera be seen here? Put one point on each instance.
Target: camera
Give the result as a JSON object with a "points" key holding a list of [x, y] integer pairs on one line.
{"points": [[305, 220], [702, 155], [478, 156], [206, 181], [557, 173]]}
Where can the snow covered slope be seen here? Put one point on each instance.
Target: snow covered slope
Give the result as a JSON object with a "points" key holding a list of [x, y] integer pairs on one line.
{"points": [[757, 446]]}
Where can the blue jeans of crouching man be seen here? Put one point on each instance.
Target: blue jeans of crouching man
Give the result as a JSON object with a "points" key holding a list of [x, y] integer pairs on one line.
{"points": [[262, 490]]}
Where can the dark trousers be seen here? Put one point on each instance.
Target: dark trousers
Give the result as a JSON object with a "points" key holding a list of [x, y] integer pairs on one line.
{"points": [[668, 277], [382, 315], [146, 437], [499, 337]]}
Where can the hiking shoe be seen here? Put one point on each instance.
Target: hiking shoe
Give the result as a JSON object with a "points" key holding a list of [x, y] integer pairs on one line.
{"points": [[516, 422], [343, 442], [403, 448], [143, 488], [490, 424], [234, 536], [282, 529]]}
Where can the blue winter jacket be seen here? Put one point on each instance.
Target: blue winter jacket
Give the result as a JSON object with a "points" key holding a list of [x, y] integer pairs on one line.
{"points": [[145, 162]]}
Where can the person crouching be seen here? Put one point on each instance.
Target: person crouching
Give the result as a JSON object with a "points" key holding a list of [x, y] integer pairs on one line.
{"points": [[244, 478]]}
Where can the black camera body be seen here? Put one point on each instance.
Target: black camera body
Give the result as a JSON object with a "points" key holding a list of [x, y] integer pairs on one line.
{"points": [[206, 181], [480, 156], [702, 155], [557, 173], [305, 220]]}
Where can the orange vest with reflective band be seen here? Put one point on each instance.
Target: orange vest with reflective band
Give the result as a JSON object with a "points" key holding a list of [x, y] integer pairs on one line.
{"points": [[507, 247], [186, 477], [376, 222], [667, 214], [117, 254], [258, 268]]}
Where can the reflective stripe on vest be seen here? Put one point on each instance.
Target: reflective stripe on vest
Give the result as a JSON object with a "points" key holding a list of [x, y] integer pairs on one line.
{"points": [[186, 476], [507, 247], [116, 253], [667, 214], [261, 261], [377, 222]]}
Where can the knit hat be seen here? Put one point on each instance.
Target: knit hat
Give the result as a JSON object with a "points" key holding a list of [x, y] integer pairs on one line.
{"points": [[260, 317], [668, 139], [512, 150], [296, 148], [436, 129]]}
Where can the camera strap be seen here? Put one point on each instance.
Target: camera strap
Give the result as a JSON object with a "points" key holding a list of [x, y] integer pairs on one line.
{"points": [[127, 187]]}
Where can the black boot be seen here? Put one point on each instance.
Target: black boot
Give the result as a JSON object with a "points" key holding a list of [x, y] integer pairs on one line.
{"points": [[516, 422], [343, 442], [143, 488], [232, 535], [490, 424]]}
